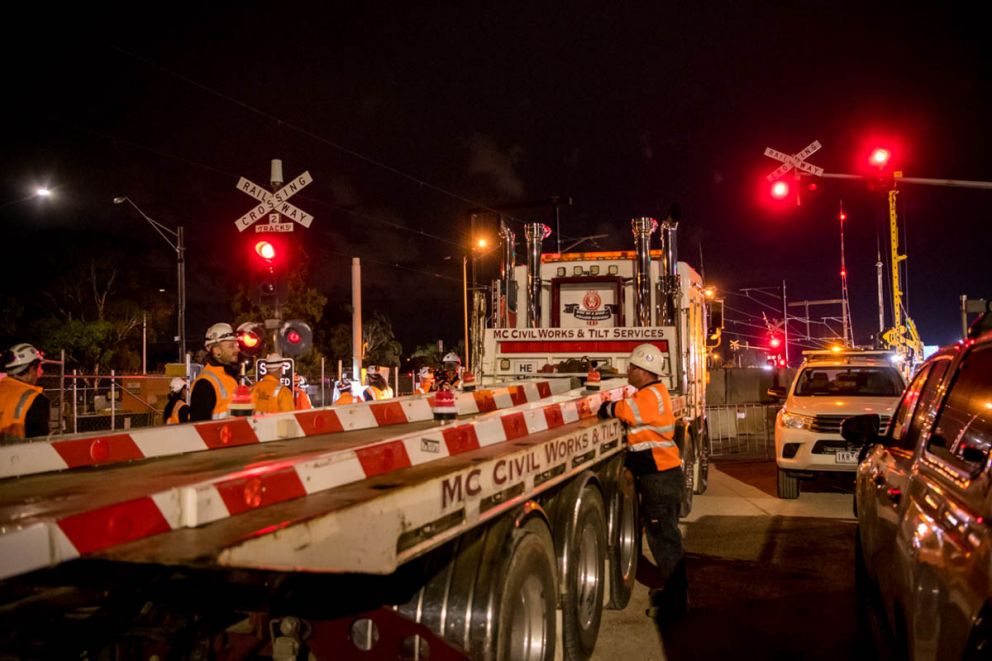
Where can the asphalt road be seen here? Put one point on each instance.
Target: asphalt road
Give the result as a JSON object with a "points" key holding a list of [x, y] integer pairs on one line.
{"points": [[769, 578]]}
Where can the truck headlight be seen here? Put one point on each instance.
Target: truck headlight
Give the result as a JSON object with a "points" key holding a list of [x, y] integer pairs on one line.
{"points": [[796, 421]]}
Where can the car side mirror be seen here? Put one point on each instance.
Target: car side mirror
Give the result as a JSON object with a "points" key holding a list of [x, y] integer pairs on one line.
{"points": [[861, 429], [973, 455], [778, 392]]}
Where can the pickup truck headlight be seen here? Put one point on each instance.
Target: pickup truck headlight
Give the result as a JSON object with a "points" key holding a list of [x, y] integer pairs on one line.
{"points": [[796, 421]]}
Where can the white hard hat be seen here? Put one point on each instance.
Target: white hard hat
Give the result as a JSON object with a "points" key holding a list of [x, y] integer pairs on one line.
{"points": [[177, 384], [22, 355], [274, 359], [648, 357], [344, 383], [424, 372], [451, 357], [219, 333]]}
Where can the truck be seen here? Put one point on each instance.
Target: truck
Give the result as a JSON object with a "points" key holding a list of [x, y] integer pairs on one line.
{"points": [[365, 531], [362, 531], [561, 314]]}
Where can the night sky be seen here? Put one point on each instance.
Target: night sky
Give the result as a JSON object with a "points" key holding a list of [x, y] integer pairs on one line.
{"points": [[408, 115]]}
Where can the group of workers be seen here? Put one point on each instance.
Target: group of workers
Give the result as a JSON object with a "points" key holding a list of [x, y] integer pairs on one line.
{"points": [[653, 456], [216, 386]]}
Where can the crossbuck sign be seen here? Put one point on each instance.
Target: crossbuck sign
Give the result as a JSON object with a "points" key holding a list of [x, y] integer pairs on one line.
{"points": [[797, 161], [274, 205]]}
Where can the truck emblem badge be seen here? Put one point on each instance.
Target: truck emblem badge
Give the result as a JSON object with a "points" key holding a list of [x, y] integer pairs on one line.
{"points": [[592, 301]]}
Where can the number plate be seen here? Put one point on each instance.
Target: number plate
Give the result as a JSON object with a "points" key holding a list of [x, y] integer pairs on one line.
{"points": [[845, 457]]}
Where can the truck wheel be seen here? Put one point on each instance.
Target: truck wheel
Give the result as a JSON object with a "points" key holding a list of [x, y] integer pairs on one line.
{"points": [[625, 538], [583, 580], [702, 462], [688, 469], [788, 486], [525, 610]]}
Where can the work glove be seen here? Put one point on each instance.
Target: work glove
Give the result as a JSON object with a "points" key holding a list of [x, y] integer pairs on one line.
{"points": [[605, 410]]}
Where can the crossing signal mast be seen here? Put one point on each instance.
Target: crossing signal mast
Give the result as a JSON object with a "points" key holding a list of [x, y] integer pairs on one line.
{"points": [[902, 336], [848, 330]]}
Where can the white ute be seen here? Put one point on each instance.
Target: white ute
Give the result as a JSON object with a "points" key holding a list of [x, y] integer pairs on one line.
{"points": [[830, 386]]}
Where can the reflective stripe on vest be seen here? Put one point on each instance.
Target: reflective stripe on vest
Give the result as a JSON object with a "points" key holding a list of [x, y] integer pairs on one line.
{"points": [[648, 445], [22, 403], [223, 398]]}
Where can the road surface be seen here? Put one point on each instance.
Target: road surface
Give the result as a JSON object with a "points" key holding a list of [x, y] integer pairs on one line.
{"points": [[769, 578]]}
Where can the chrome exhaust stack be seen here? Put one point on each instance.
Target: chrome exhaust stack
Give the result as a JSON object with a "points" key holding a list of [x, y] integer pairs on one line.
{"points": [[642, 229], [507, 265], [534, 233], [668, 299]]}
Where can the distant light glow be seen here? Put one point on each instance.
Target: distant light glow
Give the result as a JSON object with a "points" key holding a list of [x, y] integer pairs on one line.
{"points": [[836, 348], [482, 243], [780, 189], [42, 192]]}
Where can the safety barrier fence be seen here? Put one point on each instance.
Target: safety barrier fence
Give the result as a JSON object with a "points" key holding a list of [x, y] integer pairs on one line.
{"points": [[742, 431]]}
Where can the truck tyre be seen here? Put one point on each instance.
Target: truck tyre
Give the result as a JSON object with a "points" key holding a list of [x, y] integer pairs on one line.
{"points": [[702, 462], [688, 469], [583, 581], [525, 606], [625, 539], [788, 486]]}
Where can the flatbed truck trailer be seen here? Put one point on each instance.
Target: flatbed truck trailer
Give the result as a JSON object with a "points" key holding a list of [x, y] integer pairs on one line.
{"points": [[367, 531]]}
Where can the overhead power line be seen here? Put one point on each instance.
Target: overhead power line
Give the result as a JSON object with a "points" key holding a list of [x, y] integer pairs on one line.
{"points": [[308, 133]]}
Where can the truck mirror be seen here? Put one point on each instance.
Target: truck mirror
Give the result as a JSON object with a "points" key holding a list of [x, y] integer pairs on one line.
{"points": [[714, 324], [778, 392]]}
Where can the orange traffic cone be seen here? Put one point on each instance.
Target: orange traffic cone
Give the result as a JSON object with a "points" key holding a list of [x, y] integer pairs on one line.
{"points": [[468, 382], [241, 402]]}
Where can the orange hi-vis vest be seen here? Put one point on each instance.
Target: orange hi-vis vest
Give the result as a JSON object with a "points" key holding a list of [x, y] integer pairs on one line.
{"points": [[380, 394], [224, 386], [425, 385], [650, 424], [345, 398], [301, 399], [271, 396], [174, 418], [16, 398]]}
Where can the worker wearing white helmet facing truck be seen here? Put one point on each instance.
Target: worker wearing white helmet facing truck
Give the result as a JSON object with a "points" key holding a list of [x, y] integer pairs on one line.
{"points": [[176, 409], [655, 460], [213, 390], [24, 408]]}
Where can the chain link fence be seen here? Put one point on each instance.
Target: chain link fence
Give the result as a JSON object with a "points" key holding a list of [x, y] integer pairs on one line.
{"points": [[742, 431], [100, 402]]}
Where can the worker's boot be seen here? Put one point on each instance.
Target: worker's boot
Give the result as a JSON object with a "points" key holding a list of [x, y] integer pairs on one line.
{"points": [[670, 603]]}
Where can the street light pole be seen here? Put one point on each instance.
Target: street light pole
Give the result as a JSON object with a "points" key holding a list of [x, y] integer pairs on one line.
{"points": [[180, 250]]}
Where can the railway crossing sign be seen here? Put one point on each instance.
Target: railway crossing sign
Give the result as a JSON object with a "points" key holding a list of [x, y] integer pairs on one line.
{"points": [[797, 161], [274, 205]]}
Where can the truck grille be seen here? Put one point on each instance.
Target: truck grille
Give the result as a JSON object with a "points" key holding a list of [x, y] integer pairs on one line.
{"points": [[830, 424]]}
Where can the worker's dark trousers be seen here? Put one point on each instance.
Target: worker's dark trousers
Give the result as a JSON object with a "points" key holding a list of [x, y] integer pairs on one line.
{"points": [[660, 497]]}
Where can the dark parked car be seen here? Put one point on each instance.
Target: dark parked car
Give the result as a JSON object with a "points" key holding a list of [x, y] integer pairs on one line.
{"points": [[924, 507]]}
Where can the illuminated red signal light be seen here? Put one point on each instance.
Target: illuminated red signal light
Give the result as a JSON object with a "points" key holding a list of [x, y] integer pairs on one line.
{"points": [[780, 189], [293, 337], [879, 158], [265, 250], [774, 342]]}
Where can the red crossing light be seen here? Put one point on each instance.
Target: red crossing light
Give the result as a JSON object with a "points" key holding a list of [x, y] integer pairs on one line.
{"points": [[780, 189], [265, 250], [774, 342], [879, 158]]}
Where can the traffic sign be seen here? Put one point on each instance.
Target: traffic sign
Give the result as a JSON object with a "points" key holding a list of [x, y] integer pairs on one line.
{"points": [[797, 161], [284, 370], [274, 204]]}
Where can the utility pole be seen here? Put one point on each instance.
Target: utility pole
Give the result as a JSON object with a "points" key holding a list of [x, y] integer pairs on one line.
{"points": [[845, 313], [879, 274]]}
